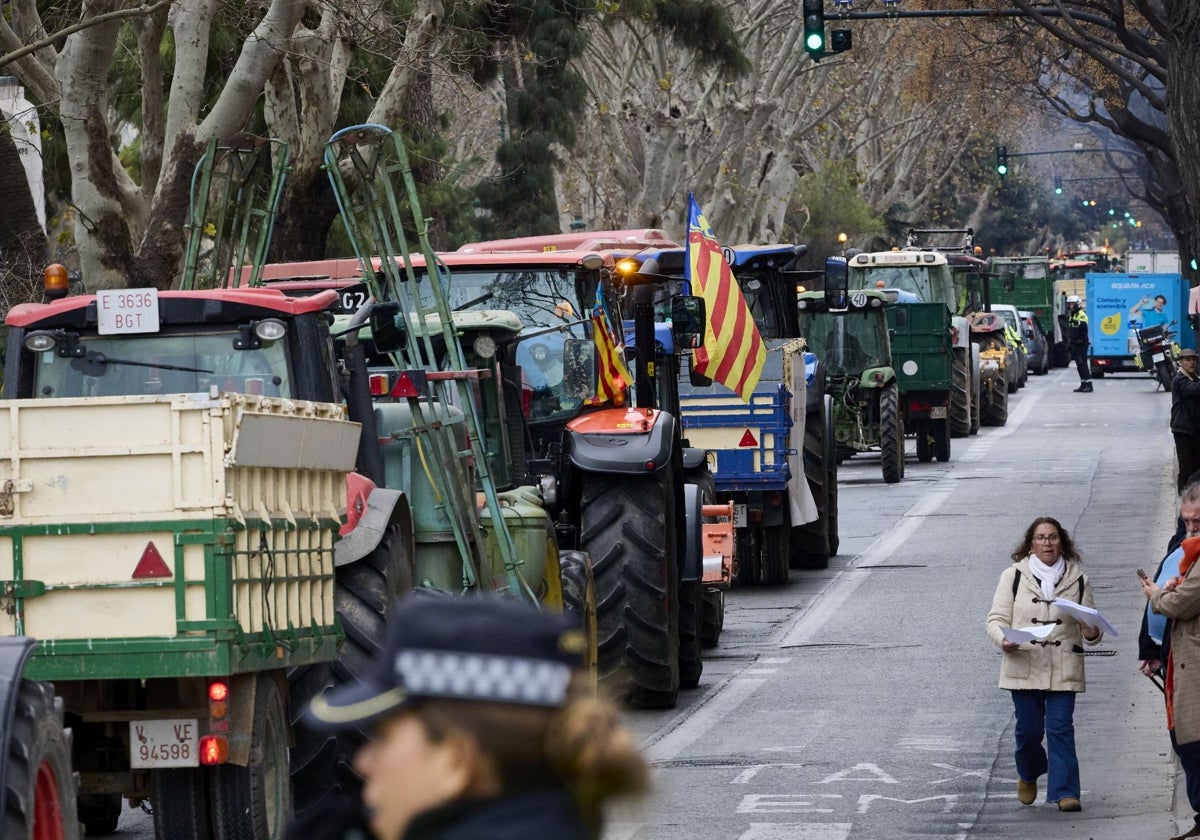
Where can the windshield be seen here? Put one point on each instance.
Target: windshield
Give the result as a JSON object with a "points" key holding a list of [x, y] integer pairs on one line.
{"points": [[1022, 271], [542, 298], [925, 283], [847, 343], [163, 363]]}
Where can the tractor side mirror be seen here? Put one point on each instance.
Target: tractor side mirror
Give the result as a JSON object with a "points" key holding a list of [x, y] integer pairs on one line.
{"points": [[389, 329], [837, 273], [579, 368], [688, 319]]}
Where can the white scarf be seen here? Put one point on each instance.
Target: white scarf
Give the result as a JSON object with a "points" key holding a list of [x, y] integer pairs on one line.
{"points": [[1048, 576]]}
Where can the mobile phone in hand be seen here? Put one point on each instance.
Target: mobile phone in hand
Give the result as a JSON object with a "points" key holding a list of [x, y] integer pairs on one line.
{"points": [[1142, 574]]}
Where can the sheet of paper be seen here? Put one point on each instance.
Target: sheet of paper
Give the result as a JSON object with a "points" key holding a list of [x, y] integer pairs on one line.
{"points": [[1027, 634], [1085, 614]]}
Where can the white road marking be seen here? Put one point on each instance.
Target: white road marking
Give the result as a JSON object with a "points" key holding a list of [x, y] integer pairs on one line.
{"points": [[797, 831], [717, 705]]}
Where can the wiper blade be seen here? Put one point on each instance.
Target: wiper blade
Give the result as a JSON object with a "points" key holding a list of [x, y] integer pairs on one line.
{"points": [[94, 363]]}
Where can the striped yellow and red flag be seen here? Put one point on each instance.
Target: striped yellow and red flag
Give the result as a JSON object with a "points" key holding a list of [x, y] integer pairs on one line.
{"points": [[733, 352], [610, 350]]}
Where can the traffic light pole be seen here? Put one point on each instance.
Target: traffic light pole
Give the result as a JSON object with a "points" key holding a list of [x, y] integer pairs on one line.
{"points": [[1045, 11]]}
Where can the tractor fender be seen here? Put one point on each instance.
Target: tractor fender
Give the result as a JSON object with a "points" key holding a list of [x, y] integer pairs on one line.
{"points": [[693, 560], [381, 508], [14, 651], [877, 377], [694, 458], [604, 452]]}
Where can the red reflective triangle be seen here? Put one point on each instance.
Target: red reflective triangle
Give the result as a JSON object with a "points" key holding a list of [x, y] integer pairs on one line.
{"points": [[748, 439], [151, 565]]}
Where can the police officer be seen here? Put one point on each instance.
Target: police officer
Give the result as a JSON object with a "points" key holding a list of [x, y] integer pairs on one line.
{"points": [[484, 726], [1077, 342]]}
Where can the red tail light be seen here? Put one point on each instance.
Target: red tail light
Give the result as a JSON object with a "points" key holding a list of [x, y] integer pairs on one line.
{"points": [[379, 384], [214, 749]]}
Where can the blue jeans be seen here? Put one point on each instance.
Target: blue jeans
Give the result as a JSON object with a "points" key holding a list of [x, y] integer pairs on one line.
{"points": [[1049, 714]]}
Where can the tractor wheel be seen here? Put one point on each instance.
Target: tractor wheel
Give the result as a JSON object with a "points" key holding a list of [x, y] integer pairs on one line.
{"points": [[712, 616], [748, 571], [254, 802], [891, 434], [579, 599], [99, 812], [994, 411], [776, 549], [941, 440], [976, 389], [924, 441], [831, 481], [628, 529], [691, 664], [179, 799], [960, 393], [810, 545], [40, 787], [363, 596]]}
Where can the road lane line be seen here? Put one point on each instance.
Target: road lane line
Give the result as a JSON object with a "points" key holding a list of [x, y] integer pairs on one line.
{"points": [[716, 706], [808, 623]]}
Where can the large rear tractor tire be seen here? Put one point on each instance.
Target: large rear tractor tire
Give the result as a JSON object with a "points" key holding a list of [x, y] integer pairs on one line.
{"points": [[976, 389], [712, 615], [255, 802], [99, 812], [179, 799], [891, 434], [960, 393], [776, 550], [810, 544], [40, 787], [579, 599], [691, 591], [363, 597], [628, 529], [994, 411]]}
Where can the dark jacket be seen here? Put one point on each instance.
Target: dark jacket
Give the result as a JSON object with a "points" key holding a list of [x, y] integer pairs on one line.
{"points": [[1185, 405], [540, 815]]}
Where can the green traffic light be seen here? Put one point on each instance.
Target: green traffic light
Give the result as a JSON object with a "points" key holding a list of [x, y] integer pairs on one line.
{"points": [[1058, 190], [814, 42], [1002, 169]]}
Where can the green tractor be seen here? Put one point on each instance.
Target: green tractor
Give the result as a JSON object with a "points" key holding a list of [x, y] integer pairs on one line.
{"points": [[849, 333]]}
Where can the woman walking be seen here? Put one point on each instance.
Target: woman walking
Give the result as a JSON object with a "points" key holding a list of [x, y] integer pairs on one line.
{"points": [[1045, 674]]}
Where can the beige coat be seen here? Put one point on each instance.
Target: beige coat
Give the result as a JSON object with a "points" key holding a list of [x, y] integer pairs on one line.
{"points": [[1183, 607], [1056, 665]]}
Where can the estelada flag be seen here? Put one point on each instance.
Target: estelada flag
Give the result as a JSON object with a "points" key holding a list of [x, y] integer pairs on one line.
{"points": [[610, 350], [733, 352]]}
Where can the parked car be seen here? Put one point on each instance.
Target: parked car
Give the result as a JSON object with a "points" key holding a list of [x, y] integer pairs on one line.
{"points": [[1015, 334], [1037, 344]]}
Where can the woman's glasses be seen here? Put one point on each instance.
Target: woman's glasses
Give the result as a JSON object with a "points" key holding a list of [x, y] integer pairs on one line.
{"points": [[1045, 538]]}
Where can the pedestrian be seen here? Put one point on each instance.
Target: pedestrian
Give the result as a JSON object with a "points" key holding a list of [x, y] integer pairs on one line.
{"points": [[1044, 675], [1178, 599], [1185, 417], [1078, 342], [485, 725], [1153, 629]]}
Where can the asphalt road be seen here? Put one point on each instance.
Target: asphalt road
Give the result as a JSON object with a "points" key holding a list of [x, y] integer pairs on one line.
{"points": [[861, 701]]}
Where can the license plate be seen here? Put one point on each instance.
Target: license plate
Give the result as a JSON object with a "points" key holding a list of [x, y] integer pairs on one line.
{"points": [[739, 516], [1158, 357], [164, 743], [938, 412]]}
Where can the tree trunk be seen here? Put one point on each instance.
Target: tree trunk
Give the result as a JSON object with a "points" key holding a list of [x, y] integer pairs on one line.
{"points": [[22, 242], [1183, 105]]}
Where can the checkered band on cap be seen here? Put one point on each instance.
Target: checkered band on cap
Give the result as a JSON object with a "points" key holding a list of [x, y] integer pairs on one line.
{"points": [[476, 676]]}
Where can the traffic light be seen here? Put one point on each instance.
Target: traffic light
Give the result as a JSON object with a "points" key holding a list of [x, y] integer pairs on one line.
{"points": [[1002, 161], [814, 28], [1058, 185], [840, 40]]}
